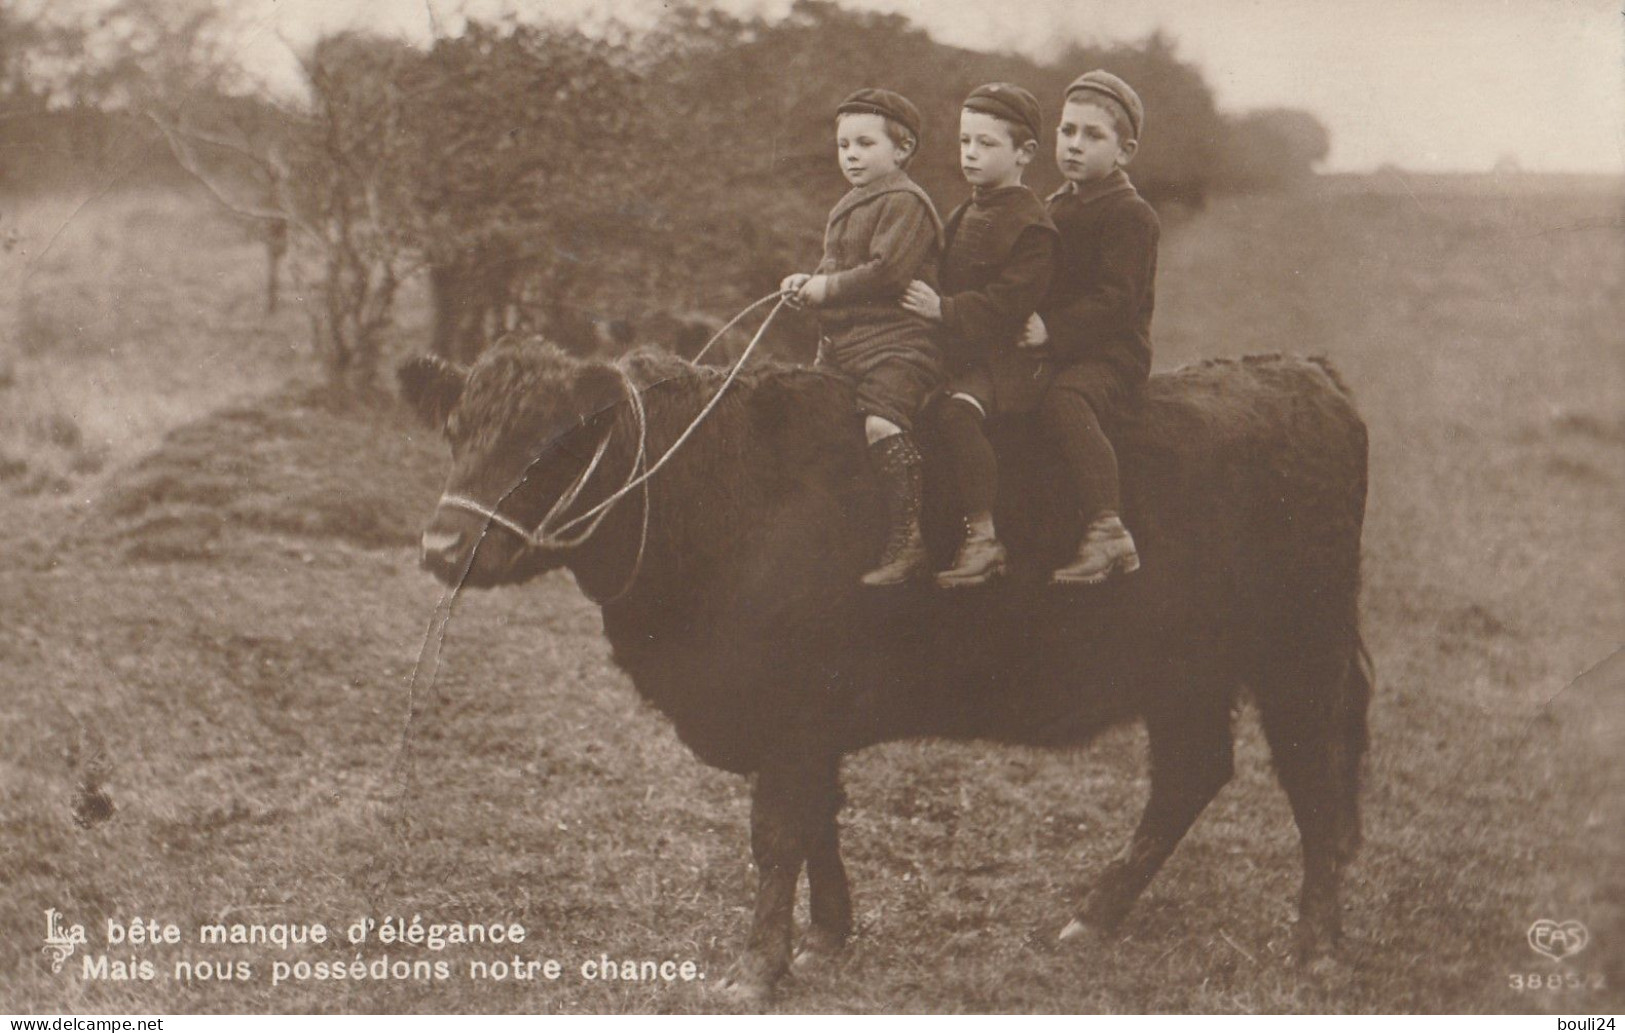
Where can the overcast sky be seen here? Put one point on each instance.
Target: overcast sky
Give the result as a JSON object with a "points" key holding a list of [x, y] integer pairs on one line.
{"points": [[1424, 84]]}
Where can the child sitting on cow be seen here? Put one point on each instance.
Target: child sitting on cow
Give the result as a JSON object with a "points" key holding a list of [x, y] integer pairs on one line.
{"points": [[1096, 320], [996, 268], [883, 234]]}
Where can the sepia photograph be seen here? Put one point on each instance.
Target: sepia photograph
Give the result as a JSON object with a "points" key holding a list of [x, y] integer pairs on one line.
{"points": [[861, 507]]}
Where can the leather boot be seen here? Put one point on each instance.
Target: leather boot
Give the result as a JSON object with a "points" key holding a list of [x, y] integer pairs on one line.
{"points": [[980, 559], [905, 558], [1107, 548]]}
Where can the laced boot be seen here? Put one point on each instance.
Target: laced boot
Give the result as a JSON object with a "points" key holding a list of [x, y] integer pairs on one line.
{"points": [[980, 559], [905, 558], [1107, 548]]}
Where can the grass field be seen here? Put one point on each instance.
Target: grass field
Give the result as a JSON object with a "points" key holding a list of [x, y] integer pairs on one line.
{"points": [[210, 610]]}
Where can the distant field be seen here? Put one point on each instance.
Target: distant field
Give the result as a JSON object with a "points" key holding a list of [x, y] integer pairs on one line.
{"points": [[210, 609], [1477, 184]]}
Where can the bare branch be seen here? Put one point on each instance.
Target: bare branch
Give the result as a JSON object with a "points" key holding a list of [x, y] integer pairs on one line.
{"points": [[213, 140], [189, 163]]}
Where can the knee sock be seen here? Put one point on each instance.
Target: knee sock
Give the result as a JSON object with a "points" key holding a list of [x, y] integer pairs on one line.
{"points": [[975, 470], [1071, 423]]}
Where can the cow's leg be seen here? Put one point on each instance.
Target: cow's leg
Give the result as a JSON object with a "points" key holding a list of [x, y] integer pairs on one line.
{"points": [[1303, 718], [1191, 760], [1354, 737], [831, 901], [783, 827]]}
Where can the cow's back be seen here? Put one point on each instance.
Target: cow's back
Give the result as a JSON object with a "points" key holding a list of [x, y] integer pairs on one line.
{"points": [[1222, 455], [1244, 485], [1243, 481]]}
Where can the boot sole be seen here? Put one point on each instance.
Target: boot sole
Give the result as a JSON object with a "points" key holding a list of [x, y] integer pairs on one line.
{"points": [[969, 582], [1126, 565], [910, 578]]}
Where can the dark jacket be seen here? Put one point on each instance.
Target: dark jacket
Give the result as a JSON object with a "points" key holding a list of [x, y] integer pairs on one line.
{"points": [[1100, 300], [996, 268]]}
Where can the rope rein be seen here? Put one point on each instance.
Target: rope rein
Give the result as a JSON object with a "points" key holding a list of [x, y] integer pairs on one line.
{"points": [[730, 324], [545, 536], [549, 533]]}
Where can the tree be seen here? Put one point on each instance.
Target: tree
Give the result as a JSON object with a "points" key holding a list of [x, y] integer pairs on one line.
{"points": [[522, 156], [103, 67], [30, 44], [332, 175], [1272, 149], [144, 55], [347, 189], [543, 178], [501, 162]]}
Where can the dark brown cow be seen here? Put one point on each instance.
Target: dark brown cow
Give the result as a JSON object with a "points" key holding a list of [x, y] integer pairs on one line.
{"points": [[738, 612]]}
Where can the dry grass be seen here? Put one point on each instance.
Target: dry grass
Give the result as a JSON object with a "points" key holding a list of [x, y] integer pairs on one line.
{"points": [[121, 319], [249, 698]]}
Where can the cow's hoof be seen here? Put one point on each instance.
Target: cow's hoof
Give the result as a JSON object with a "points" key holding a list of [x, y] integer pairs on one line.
{"points": [[1318, 962], [1316, 953], [807, 962], [818, 949], [1079, 931], [744, 992], [1315, 941]]}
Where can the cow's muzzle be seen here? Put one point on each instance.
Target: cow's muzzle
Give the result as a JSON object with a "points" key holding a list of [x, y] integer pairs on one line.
{"points": [[444, 552]]}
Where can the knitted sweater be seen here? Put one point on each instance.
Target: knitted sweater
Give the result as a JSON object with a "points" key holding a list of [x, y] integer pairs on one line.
{"points": [[879, 237]]}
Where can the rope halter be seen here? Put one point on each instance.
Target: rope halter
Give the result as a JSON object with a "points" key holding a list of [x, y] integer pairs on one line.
{"points": [[554, 531]]}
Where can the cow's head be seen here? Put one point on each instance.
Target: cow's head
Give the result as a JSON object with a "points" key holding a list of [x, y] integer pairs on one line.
{"points": [[523, 423]]}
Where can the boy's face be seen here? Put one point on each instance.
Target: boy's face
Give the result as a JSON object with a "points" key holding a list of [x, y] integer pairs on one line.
{"points": [[865, 149], [988, 155], [1086, 145]]}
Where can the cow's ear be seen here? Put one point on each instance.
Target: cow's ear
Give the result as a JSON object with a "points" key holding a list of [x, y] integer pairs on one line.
{"points": [[431, 386]]}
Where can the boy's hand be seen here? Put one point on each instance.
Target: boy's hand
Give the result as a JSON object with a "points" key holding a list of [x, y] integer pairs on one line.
{"points": [[921, 300], [814, 290], [790, 288], [1036, 335]]}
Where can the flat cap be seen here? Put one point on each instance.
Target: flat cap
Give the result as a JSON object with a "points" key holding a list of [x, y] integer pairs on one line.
{"points": [[895, 106], [1011, 103], [1107, 85]]}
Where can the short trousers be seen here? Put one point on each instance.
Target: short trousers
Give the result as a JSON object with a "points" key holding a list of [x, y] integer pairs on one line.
{"points": [[895, 375]]}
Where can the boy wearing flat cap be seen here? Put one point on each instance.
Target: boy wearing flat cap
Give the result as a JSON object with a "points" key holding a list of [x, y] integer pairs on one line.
{"points": [[883, 234], [996, 268], [1096, 320]]}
